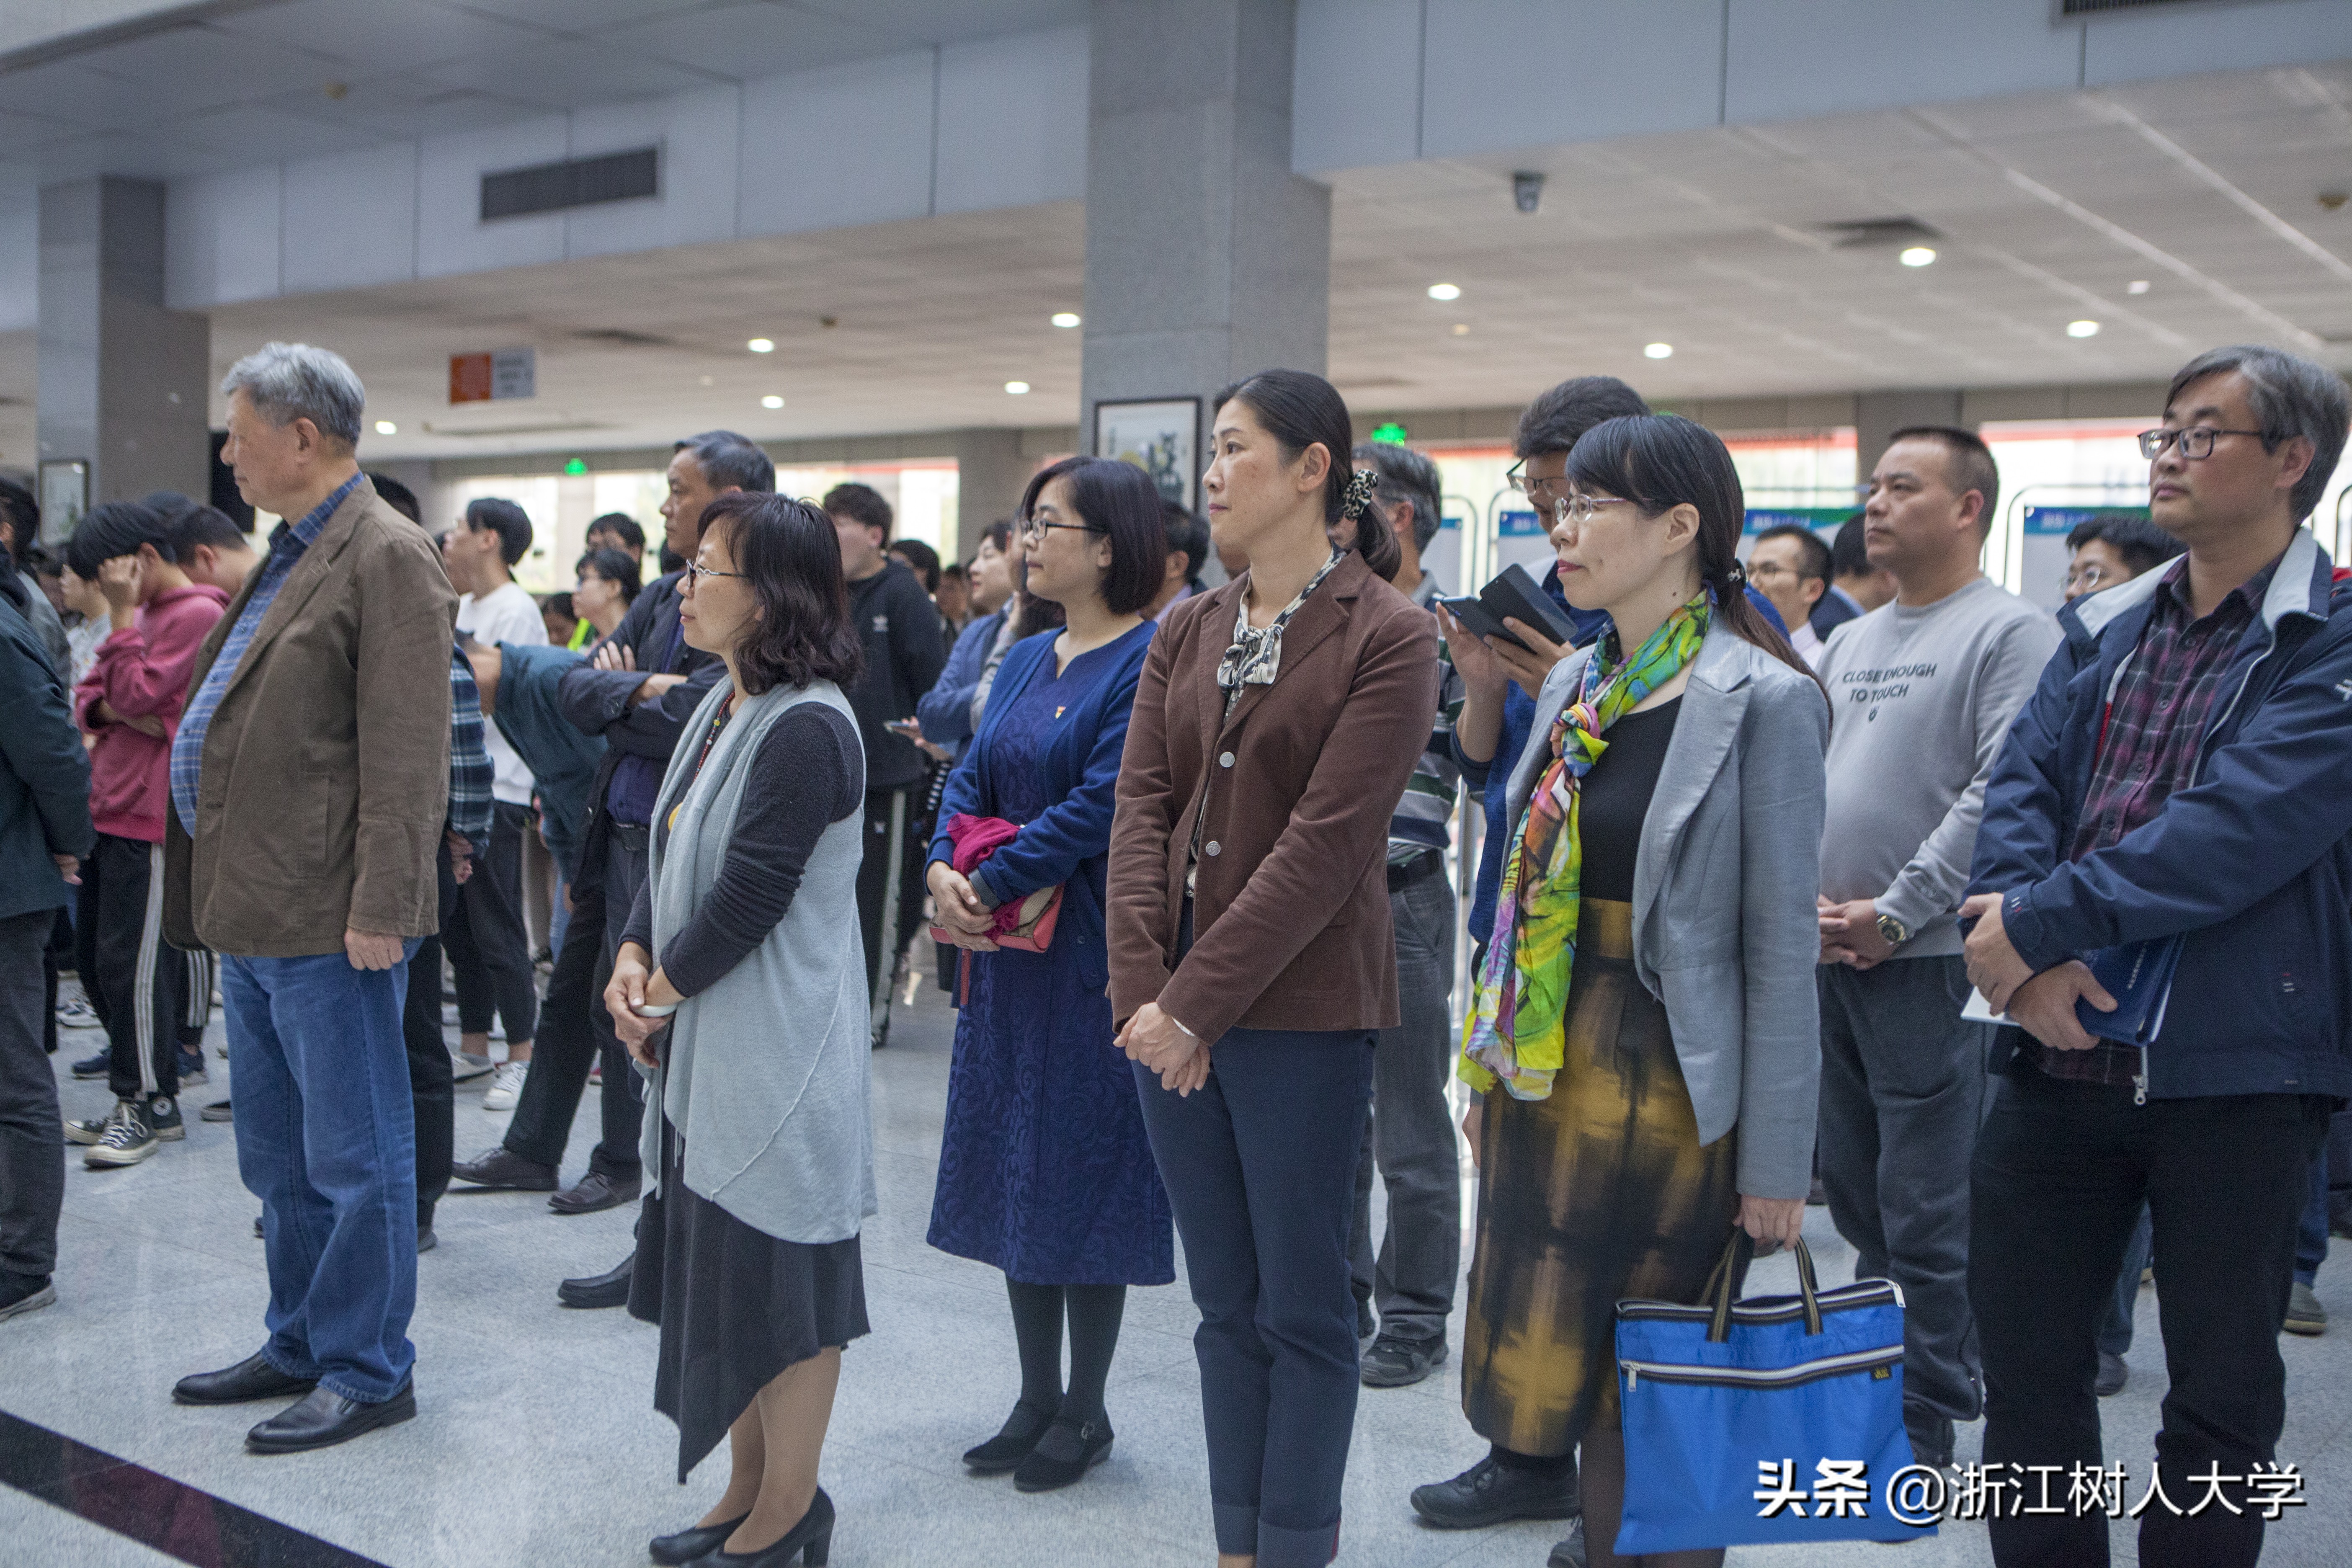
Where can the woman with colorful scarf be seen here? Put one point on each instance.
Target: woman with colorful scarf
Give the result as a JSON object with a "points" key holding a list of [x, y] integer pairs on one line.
{"points": [[1642, 1040]]}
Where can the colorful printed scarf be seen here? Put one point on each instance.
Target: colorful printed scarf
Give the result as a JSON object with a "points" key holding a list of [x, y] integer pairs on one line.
{"points": [[1516, 1031]]}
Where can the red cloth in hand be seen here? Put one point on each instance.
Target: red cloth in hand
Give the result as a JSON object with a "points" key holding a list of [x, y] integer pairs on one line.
{"points": [[975, 839]]}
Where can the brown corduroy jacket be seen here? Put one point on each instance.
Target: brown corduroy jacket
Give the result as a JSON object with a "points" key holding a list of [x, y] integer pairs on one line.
{"points": [[1293, 794], [326, 767]]}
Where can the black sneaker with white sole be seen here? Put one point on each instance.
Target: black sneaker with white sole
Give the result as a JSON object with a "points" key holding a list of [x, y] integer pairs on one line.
{"points": [[162, 1115], [25, 1292], [133, 1133], [98, 1065]]}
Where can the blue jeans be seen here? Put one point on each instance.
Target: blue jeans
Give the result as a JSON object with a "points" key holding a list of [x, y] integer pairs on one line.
{"points": [[326, 1138]]}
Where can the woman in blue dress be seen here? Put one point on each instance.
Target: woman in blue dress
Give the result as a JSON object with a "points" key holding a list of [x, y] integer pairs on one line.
{"points": [[1046, 1171]]}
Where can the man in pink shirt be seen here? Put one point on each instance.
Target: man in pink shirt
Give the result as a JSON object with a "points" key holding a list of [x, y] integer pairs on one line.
{"points": [[129, 704]]}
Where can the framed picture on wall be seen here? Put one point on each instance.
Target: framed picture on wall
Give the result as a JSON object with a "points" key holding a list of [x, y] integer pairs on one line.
{"points": [[1162, 436], [65, 495]]}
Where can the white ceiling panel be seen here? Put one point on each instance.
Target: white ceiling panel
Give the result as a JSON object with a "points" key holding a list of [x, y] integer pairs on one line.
{"points": [[582, 15], [369, 37], [754, 39], [405, 107], [568, 74], [930, 22]]}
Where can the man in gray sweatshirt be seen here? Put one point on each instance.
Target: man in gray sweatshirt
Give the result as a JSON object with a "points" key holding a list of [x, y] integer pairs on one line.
{"points": [[1922, 691]]}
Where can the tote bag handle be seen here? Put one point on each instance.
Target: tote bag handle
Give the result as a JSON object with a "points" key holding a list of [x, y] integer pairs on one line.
{"points": [[1740, 1249]]}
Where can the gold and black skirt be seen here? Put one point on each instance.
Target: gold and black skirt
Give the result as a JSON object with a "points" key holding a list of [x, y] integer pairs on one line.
{"points": [[1597, 1192]]}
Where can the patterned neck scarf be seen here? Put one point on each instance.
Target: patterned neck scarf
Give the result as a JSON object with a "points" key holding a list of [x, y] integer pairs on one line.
{"points": [[1255, 656], [1516, 1031]]}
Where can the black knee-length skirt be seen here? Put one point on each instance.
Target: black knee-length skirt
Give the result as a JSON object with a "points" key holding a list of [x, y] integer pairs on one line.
{"points": [[735, 1305]]}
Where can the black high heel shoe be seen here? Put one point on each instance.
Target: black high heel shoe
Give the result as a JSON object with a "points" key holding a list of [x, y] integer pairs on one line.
{"points": [[811, 1539], [687, 1545], [1012, 1443]]}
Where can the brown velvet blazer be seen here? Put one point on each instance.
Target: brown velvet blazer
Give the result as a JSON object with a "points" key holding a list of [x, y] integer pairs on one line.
{"points": [[1294, 792]]}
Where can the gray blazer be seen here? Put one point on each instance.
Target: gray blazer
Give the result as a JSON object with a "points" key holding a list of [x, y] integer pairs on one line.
{"points": [[1724, 929]]}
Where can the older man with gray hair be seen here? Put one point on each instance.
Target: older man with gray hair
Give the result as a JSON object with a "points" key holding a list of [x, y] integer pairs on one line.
{"points": [[1410, 1135], [309, 780]]}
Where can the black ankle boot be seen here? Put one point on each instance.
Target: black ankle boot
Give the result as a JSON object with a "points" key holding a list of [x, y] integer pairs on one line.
{"points": [[1013, 1441]]}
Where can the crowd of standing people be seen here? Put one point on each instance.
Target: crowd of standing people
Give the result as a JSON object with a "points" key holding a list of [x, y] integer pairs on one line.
{"points": [[1795, 882]]}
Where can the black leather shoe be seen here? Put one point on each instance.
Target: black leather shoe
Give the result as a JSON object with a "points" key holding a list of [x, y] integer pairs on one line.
{"points": [[503, 1168], [252, 1378], [1569, 1552], [607, 1289], [1490, 1492], [595, 1192], [811, 1539], [1395, 1362], [687, 1545], [426, 1241], [2114, 1372], [322, 1418], [1013, 1442], [1064, 1452]]}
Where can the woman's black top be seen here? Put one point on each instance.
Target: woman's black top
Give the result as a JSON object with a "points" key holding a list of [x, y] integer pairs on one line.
{"points": [[808, 774], [1616, 798]]}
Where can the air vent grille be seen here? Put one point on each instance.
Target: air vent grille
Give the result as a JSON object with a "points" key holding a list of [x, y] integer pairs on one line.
{"points": [[2094, 8], [575, 182]]}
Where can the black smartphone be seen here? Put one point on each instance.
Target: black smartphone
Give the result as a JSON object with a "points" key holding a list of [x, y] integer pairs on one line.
{"points": [[1514, 594]]}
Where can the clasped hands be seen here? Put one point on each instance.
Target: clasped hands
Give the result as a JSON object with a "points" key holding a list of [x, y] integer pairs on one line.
{"points": [[2042, 1005], [620, 656], [633, 984], [962, 915], [1164, 1046]]}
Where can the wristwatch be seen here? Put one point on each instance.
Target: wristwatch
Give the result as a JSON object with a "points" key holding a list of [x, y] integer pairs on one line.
{"points": [[1895, 932]]}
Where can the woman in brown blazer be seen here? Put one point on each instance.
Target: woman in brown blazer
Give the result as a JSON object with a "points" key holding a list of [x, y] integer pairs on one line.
{"points": [[1251, 955]]}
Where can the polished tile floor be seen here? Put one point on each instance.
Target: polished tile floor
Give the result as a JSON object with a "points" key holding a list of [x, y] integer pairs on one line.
{"points": [[536, 1441]]}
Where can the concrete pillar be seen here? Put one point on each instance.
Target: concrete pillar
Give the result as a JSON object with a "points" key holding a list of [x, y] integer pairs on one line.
{"points": [[1878, 414], [124, 382], [991, 474], [1206, 257]]}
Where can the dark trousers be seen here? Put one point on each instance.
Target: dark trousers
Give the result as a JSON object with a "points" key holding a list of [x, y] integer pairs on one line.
{"points": [[1260, 1166], [1902, 1083], [489, 949], [202, 978], [57, 951], [2059, 1173], [136, 985], [2115, 1329], [1410, 1138], [576, 1028], [875, 875], [32, 1135], [432, 1077]]}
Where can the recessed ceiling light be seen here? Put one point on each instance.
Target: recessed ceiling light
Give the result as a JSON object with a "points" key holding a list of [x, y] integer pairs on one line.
{"points": [[772, 401], [1460, 329], [1016, 387], [1444, 291], [1659, 351], [386, 427], [762, 345], [2136, 285], [709, 380], [1065, 318], [1919, 256], [2082, 328]]}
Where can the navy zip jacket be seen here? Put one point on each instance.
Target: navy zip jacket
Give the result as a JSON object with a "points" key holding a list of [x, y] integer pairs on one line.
{"points": [[2251, 861], [1069, 841]]}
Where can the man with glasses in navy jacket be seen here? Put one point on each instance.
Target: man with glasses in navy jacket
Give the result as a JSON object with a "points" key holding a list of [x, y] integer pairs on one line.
{"points": [[2179, 775]]}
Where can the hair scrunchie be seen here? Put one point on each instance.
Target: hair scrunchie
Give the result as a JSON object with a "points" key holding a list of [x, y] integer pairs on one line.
{"points": [[1734, 576], [1359, 494]]}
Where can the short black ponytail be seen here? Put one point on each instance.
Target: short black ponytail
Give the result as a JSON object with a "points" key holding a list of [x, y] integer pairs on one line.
{"points": [[1302, 410]]}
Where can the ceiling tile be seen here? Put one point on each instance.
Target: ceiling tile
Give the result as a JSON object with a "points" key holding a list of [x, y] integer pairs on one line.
{"points": [[755, 39], [580, 15], [369, 38], [568, 75], [409, 106]]}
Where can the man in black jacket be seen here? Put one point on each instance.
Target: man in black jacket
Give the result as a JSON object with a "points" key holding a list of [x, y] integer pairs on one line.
{"points": [[904, 654], [637, 689], [45, 829]]}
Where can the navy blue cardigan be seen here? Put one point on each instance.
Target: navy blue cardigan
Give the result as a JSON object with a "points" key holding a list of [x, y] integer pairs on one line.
{"points": [[1069, 842]]}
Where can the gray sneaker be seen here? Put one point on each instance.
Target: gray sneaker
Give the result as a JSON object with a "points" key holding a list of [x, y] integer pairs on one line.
{"points": [[2304, 1315], [129, 1138]]}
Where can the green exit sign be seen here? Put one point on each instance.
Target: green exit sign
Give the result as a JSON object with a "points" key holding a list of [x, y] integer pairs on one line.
{"points": [[576, 466], [1390, 432]]}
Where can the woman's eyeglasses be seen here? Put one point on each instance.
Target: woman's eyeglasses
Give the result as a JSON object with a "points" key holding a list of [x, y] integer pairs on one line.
{"points": [[1035, 528], [1579, 507], [696, 571]]}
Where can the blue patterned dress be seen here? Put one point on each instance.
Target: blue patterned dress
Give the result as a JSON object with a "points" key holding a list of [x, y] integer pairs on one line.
{"points": [[1044, 1168]]}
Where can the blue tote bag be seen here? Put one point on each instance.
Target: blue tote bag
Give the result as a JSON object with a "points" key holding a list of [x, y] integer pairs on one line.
{"points": [[1769, 1420]]}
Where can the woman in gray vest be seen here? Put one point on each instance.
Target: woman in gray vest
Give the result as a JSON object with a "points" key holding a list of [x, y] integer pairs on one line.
{"points": [[751, 1032]]}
